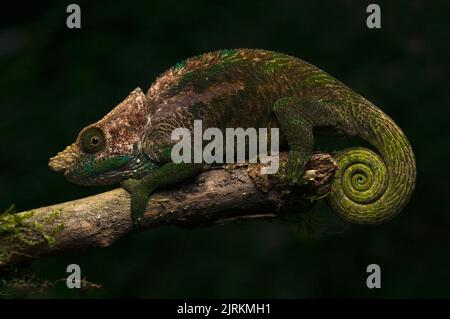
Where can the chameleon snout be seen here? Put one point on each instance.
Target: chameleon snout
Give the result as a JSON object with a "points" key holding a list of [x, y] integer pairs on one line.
{"points": [[65, 159]]}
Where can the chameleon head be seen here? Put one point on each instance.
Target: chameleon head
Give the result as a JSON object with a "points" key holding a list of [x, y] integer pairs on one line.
{"points": [[109, 150]]}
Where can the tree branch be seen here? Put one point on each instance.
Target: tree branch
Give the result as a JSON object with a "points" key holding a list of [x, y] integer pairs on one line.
{"points": [[217, 196]]}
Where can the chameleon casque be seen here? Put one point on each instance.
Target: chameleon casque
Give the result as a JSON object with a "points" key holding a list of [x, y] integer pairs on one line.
{"points": [[247, 88]]}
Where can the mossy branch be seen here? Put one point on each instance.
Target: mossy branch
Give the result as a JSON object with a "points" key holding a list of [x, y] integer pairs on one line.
{"points": [[217, 196]]}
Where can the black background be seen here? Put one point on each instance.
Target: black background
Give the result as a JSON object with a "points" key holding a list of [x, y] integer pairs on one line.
{"points": [[54, 81]]}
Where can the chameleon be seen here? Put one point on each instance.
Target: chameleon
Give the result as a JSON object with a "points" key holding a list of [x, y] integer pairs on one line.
{"points": [[131, 145]]}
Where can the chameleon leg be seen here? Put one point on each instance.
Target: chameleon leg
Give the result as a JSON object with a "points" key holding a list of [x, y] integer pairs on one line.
{"points": [[129, 184], [297, 117], [298, 132], [168, 174]]}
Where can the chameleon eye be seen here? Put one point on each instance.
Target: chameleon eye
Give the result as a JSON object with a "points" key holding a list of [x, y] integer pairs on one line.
{"points": [[92, 140]]}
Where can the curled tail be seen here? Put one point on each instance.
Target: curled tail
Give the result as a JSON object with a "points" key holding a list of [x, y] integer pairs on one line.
{"points": [[371, 188]]}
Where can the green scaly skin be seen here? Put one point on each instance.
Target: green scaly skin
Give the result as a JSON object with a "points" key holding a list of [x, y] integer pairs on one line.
{"points": [[247, 88]]}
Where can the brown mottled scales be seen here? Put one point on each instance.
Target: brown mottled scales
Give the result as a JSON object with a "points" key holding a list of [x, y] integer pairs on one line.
{"points": [[247, 88]]}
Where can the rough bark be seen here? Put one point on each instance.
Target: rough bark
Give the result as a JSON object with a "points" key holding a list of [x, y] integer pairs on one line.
{"points": [[217, 196]]}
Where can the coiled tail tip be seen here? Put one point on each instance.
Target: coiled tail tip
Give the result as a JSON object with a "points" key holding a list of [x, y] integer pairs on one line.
{"points": [[365, 190]]}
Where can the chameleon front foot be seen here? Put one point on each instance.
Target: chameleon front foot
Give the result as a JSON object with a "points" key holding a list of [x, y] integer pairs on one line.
{"points": [[139, 199]]}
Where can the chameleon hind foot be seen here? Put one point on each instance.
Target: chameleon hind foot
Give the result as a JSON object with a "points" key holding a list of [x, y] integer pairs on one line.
{"points": [[296, 172], [294, 118]]}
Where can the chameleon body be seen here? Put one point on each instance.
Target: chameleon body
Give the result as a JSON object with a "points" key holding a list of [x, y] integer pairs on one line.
{"points": [[247, 88]]}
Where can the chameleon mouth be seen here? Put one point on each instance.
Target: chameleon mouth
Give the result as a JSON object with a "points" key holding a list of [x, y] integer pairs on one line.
{"points": [[65, 159]]}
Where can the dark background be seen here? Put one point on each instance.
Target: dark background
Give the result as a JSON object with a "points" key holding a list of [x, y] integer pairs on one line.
{"points": [[54, 81]]}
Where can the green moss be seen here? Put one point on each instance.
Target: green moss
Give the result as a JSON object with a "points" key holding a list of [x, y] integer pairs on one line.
{"points": [[16, 230]]}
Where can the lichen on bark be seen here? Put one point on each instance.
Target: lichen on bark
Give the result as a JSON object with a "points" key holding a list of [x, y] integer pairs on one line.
{"points": [[19, 230]]}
